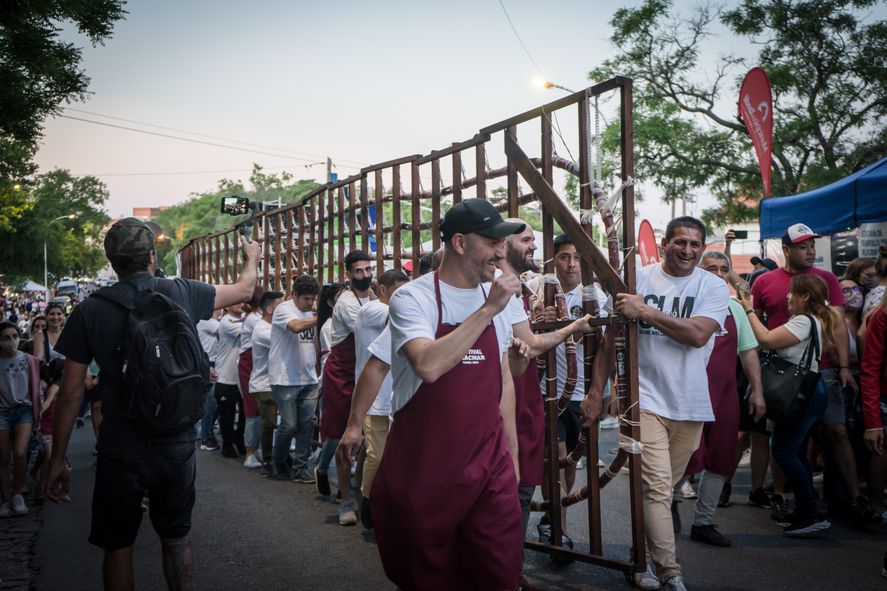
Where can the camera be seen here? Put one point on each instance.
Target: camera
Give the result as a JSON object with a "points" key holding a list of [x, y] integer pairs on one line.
{"points": [[235, 205]]}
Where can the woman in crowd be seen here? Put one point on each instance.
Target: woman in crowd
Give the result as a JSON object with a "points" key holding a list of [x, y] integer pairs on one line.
{"points": [[19, 410], [44, 341], [873, 382], [806, 300], [38, 325], [52, 377], [876, 283]]}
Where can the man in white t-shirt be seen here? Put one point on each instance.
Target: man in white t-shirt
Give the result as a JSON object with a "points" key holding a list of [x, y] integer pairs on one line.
{"points": [[292, 373], [371, 409], [679, 308], [339, 377], [444, 501], [252, 427], [228, 396], [208, 332], [259, 384]]}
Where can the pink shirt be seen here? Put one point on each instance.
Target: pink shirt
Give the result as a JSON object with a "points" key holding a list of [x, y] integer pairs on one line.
{"points": [[770, 291]]}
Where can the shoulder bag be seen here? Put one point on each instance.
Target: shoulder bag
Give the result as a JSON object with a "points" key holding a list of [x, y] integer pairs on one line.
{"points": [[788, 387]]}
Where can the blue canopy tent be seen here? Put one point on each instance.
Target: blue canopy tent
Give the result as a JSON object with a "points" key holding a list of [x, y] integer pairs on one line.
{"points": [[856, 199]]}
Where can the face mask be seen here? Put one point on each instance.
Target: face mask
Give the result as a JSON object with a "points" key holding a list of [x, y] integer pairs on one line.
{"points": [[10, 346], [362, 284], [871, 282], [853, 299]]}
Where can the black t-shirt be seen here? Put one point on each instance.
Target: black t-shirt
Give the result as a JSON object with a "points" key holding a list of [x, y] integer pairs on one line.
{"points": [[96, 327]]}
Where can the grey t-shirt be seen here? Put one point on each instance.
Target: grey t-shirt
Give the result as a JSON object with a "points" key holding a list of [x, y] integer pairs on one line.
{"points": [[14, 381]]}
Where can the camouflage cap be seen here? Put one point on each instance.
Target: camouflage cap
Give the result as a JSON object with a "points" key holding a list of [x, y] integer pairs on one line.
{"points": [[129, 238]]}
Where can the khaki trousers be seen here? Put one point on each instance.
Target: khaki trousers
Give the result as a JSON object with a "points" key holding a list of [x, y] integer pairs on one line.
{"points": [[375, 433], [668, 446]]}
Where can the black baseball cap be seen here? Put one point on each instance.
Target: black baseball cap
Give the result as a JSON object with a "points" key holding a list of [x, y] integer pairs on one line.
{"points": [[477, 216]]}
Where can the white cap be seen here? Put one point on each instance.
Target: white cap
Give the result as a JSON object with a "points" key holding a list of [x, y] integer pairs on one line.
{"points": [[798, 233]]}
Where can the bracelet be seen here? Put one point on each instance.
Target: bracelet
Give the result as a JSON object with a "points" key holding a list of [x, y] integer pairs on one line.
{"points": [[752, 311]]}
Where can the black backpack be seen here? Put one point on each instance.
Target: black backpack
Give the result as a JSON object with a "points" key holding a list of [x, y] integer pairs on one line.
{"points": [[165, 371]]}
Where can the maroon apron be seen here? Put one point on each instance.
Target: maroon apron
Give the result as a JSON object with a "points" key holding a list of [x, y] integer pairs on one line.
{"points": [[337, 388], [244, 369], [717, 449], [445, 506], [530, 416]]}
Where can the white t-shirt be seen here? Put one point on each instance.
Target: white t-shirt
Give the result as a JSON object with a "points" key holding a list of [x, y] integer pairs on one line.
{"points": [[228, 349], [208, 331], [381, 349], [800, 327], [292, 360], [672, 378], [344, 315], [261, 340], [246, 333], [370, 323], [413, 315]]}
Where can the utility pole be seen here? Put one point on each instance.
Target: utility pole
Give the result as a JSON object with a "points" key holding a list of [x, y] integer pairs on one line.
{"points": [[329, 169]]}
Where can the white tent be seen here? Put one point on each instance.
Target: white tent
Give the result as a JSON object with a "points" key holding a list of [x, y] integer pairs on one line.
{"points": [[33, 286]]}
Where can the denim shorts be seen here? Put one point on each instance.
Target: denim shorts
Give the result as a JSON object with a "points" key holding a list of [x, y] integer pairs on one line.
{"points": [[14, 416]]}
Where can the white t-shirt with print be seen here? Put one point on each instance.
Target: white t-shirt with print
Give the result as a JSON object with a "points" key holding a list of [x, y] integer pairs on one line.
{"points": [[413, 315], [246, 333], [671, 377], [261, 344], [344, 315], [228, 349], [381, 349], [292, 359]]}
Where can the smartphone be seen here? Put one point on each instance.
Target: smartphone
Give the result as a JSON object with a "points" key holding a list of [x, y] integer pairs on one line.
{"points": [[235, 205], [740, 234]]}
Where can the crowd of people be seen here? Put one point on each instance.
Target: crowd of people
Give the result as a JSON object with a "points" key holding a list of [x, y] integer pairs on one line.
{"points": [[427, 392]]}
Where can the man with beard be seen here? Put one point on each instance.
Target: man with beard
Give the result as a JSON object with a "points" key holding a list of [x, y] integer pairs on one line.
{"points": [[445, 504], [678, 307]]}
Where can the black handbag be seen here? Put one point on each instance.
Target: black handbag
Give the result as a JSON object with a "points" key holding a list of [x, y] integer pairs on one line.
{"points": [[788, 387]]}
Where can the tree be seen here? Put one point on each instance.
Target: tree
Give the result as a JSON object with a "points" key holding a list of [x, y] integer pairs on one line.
{"points": [[75, 247], [38, 71], [829, 81]]}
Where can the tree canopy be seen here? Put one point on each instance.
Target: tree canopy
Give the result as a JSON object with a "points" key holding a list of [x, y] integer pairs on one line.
{"points": [[829, 78], [33, 217]]}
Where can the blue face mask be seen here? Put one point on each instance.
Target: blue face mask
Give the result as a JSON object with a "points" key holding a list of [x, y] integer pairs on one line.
{"points": [[852, 298]]}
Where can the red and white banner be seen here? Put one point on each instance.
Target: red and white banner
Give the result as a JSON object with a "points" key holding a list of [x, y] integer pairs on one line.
{"points": [[647, 244], [756, 110]]}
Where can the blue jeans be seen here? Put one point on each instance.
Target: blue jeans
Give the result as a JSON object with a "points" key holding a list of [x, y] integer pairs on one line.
{"points": [[296, 405], [790, 451], [210, 413]]}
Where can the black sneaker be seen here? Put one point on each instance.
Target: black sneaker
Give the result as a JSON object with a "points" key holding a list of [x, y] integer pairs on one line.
{"points": [[209, 444], [365, 518], [323, 482], [861, 513], [267, 471], [228, 451], [708, 534], [785, 518], [675, 517], [758, 498], [778, 509], [724, 500], [804, 525], [566, 542], [544, 530], [304, 477]]}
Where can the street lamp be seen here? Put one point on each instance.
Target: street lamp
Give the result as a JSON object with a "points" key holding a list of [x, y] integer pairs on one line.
{"points": [[70, 216]]}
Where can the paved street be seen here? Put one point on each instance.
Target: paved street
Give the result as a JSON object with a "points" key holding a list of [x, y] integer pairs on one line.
{"points": [[251, 533]]}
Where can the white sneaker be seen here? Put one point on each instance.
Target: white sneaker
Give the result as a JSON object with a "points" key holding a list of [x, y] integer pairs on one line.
{"points": [[646, 580], [5, 510], [18, 505], [687, 490], [258, 455], [580, 465], [609, 423], [675, 583], [348, 513], [251, 462], [745, 460]]}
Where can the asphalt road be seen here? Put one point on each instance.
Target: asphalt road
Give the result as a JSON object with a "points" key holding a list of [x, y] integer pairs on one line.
{"points": [[252, 533]]}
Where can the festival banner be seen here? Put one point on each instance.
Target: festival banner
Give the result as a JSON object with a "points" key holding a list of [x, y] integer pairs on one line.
{"points": [[756, 110], [647, 244]]}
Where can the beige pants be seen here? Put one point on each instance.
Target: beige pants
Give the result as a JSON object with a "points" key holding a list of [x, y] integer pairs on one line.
{"points": [[668, 446], [375, 433]]}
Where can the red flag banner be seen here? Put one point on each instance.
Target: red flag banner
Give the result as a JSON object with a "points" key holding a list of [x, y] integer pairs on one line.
{"points": [[647, 244], [756, 110]]}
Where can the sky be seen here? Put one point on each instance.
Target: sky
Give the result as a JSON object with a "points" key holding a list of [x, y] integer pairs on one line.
{"points": [[357, 81]]}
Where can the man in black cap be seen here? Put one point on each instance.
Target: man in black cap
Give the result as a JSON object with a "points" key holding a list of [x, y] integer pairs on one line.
{"points": [[445, 504], [130, 463]]}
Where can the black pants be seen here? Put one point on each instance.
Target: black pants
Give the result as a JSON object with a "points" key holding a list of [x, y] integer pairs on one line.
{"points": [[229, 402]]}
